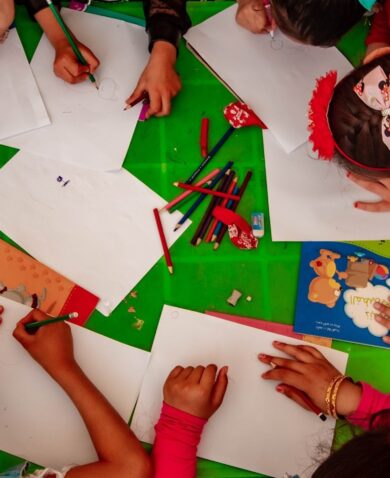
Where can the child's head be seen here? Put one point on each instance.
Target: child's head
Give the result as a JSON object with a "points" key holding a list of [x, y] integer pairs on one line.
{"points": [[318, 22], [351, 121], [365, 456]]}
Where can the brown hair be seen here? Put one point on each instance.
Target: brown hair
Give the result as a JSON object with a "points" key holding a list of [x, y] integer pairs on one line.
{"points": [[357, 128]]}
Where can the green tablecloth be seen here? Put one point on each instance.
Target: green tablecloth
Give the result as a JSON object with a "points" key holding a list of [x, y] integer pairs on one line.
{"points": [[165, 150]]}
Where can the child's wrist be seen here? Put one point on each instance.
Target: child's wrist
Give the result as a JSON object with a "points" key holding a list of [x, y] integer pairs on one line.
{"points": [[348, 398], [164, 51]]}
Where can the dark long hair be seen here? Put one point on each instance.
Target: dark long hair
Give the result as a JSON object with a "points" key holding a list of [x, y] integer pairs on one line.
{"points": [[365, 456], [356, 127], [317, 22]]}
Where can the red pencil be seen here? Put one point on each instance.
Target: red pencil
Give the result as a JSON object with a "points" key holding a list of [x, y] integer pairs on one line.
{"points": [[190, 187], [223, 204], [164, 244], [204, 137], [144, 96]]}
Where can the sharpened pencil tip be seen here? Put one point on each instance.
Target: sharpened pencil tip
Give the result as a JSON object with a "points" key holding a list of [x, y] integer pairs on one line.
{"points": [[213, 238], [177, 227], [198, 241], [216, 245], [170, 268], [176, 183], [73, 315]]}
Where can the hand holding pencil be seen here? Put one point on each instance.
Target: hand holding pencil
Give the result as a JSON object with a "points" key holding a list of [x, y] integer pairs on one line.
{"points": [[51, 346]]}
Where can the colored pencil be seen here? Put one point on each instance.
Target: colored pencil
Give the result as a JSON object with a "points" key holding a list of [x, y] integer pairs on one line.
{"points": [[204, 137], [71, 41], [207, 217], [220, 194], [210, 156], [241, 192], [202, 182], [33, 326], [164, 244], [219, 225], [202, 197], [223, 203], [144, 96]]}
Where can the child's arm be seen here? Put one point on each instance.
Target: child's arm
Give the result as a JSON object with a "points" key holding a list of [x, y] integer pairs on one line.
{"points": [[308, 371], [120, 453], [191, 396], [7, 15], [166, 22], [66, 65], [381, 187]]}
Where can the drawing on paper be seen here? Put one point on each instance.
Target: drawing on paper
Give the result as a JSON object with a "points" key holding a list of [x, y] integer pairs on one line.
{"points": [[108, 89]]}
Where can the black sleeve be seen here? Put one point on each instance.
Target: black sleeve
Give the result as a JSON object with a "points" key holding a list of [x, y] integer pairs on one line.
{"points": [[35, 6], [165, 20]]}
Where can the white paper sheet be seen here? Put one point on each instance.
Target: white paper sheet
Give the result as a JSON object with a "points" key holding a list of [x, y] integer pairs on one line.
{"points": [[90, 127], [37, 420], [98, 229], [21, 103], [256, 428], [277, 84], [312, 200]]}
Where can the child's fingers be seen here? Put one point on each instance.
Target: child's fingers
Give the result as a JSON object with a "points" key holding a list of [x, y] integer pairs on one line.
{"points": [[220, 387], [208, 376], [20, 333], [286, 376], [282, 362], [90, 58], [186, 372], [175, 372], [290, 393], [372, 186], [139, 89], [166, 105], [1, 309], [381, 206], [386, 339], [295, 351], [155, 104], [196, 374]]}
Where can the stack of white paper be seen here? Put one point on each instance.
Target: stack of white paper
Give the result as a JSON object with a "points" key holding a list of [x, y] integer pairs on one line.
{"points": [[95, 227], [256, 428], [277, 84], [90, 127], [37, 420], [22, 108]]}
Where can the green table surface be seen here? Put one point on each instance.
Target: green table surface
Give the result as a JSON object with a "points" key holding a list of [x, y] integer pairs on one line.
{"points": [[165, 150]]}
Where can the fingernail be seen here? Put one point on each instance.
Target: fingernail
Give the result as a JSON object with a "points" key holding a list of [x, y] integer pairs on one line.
{"points": [[262, 356], [275, 342], [279, 389], [377, 305], [356, 205], [348, 174], [263, 375]]}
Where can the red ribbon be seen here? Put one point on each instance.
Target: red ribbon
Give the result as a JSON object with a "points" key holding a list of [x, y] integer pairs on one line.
{"points": [[240, 232]]}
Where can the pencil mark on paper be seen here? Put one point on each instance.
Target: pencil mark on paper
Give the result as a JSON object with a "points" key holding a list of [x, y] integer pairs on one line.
{"points": [[63, 181], [108, 89]]}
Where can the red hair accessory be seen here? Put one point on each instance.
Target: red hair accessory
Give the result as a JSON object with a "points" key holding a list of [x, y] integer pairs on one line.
{"points": [[321, 135]]}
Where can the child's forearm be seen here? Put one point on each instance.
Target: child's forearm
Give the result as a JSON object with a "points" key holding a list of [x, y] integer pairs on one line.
{"points": [[7, 14], [113, 440], [50, 26]]}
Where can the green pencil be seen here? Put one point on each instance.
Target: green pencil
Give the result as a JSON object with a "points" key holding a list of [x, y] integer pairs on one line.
{"points": [[33, 326], [71, 41]]}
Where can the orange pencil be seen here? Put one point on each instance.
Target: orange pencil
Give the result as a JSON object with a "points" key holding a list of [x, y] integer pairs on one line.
{"points": [[219, 194], [164, 244], [182, 196]]}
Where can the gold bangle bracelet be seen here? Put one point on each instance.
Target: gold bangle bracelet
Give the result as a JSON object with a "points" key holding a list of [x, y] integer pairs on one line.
{"points": [[335, 391], [329, 393]]}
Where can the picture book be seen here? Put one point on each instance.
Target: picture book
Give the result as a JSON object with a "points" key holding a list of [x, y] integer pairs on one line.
{"points": [[339, 284]]}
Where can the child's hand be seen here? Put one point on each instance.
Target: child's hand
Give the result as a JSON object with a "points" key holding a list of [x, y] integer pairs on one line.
{"points": [[252, 16], [159, 79], [197, 391], [383, 318], [381, 187], [51, 345], [67, 67], [1, 311], [310, 372], [7, 14]]}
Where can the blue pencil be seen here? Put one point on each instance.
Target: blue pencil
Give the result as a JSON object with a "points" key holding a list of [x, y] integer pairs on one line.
{"points": [[210, 156], [220, 224], [202, 197]]}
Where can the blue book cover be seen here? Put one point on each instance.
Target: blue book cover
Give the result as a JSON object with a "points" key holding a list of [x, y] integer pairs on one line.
{"points": [[338, 286]]}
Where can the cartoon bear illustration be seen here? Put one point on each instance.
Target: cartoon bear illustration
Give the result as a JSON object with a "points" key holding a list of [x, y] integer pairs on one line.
{"points": [[20, 294], [324, 289]]}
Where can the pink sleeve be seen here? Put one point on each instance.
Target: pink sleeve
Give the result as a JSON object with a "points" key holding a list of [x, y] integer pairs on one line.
{"points": [[372, 402], [177, 437], [380, 30]]}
